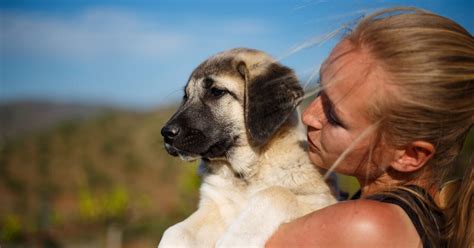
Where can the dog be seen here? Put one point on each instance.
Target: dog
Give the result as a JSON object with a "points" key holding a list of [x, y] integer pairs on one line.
{"points": [[239, 116]]}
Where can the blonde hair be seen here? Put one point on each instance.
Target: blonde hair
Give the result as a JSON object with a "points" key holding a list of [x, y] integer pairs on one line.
{"points": [[430, 63]]}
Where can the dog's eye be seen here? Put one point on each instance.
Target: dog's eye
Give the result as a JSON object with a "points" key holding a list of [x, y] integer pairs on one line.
{"points": [[208, 82], [217, 92]]}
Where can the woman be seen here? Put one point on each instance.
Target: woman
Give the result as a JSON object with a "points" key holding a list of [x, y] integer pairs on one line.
{"points": [[396, 104]]}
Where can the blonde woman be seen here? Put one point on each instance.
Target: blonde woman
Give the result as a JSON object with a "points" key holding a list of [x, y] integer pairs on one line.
{"points": [[396, 104]]}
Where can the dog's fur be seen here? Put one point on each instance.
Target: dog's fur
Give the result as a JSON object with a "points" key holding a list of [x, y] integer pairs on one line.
{"points": [[239, 116]]}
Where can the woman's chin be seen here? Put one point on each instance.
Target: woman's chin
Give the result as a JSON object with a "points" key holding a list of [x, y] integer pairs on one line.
{"points": [[319, 163], [317, 160]]}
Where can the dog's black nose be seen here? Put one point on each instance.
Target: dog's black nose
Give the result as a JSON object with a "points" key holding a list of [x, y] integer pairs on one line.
{"points": [[170, 131]]}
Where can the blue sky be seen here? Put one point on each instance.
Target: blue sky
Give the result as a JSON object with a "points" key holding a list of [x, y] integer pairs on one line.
{"points": [[139, 54]]}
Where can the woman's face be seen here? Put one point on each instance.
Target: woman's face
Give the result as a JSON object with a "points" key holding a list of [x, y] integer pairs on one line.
{"points": [[339, 115]]}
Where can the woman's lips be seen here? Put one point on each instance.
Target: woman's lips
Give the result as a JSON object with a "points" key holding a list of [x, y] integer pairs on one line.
{"points": [[312, 146]]}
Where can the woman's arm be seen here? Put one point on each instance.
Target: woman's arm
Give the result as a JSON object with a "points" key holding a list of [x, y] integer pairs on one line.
{"points": [[358, 223]]}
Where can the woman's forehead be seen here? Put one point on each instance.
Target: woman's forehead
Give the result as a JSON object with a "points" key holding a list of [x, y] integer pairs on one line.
{"points": [[339, 51], [349, 79], [349, 66]]}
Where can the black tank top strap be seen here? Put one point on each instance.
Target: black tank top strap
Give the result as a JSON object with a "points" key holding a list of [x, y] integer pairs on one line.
{"points": [[435, 216]]}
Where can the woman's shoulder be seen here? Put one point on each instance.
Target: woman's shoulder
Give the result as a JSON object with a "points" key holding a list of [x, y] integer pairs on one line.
{"points": [[355, 223]]}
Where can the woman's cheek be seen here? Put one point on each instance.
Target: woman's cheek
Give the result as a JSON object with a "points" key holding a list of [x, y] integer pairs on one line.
{"points": [[334, 141], [332, 138]]}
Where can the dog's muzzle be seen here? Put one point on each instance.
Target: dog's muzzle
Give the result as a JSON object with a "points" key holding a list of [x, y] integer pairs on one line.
{"points": [[169, 133], [191, 144]]}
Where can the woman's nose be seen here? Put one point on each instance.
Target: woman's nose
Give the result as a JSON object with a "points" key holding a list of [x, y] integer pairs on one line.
{"points": [[313, 114]]}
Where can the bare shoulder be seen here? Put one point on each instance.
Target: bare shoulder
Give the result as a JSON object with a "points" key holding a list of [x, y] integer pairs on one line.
{"points": [[357, 223]]}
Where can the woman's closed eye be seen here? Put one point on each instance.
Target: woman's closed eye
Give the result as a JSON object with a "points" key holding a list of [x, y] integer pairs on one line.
{"points": [[328, 109], [332, 119]]}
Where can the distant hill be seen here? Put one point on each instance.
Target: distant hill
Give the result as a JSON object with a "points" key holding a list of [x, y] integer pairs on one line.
{"points": [[74, 176], [21, 117]]}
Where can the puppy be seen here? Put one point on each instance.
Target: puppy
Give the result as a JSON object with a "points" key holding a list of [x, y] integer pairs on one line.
{"points": [[238, 115]]}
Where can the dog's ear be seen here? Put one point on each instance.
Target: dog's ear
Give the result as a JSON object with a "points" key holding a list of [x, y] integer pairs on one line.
{"points": [[271, 95]]}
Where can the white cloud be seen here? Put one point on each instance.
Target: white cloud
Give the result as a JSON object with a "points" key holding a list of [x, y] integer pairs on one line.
{"points": [[111, 32], [92, 33]]}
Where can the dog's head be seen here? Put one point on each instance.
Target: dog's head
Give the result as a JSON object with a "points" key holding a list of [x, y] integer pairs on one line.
{"points": [[237, 97]]}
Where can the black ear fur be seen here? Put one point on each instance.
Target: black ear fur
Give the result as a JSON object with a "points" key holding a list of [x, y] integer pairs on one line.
{"points": [[270, 99]]}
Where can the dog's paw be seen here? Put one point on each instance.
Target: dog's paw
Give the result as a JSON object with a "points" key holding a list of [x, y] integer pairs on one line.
{"points": [[266, 211], [176, 236], [240, 240]]}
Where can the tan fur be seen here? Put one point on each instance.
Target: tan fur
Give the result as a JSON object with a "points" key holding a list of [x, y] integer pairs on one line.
{"points": [[278, 182]]}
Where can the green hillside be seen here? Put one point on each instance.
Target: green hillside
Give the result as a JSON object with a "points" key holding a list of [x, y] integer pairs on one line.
{"points": [[83, 182]]}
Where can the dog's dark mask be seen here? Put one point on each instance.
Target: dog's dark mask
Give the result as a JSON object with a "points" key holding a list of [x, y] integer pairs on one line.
{"points": [[193, 131]]}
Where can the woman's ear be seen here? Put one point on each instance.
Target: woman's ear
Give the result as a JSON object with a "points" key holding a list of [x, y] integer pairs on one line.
{"points": [[413, 156]]}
